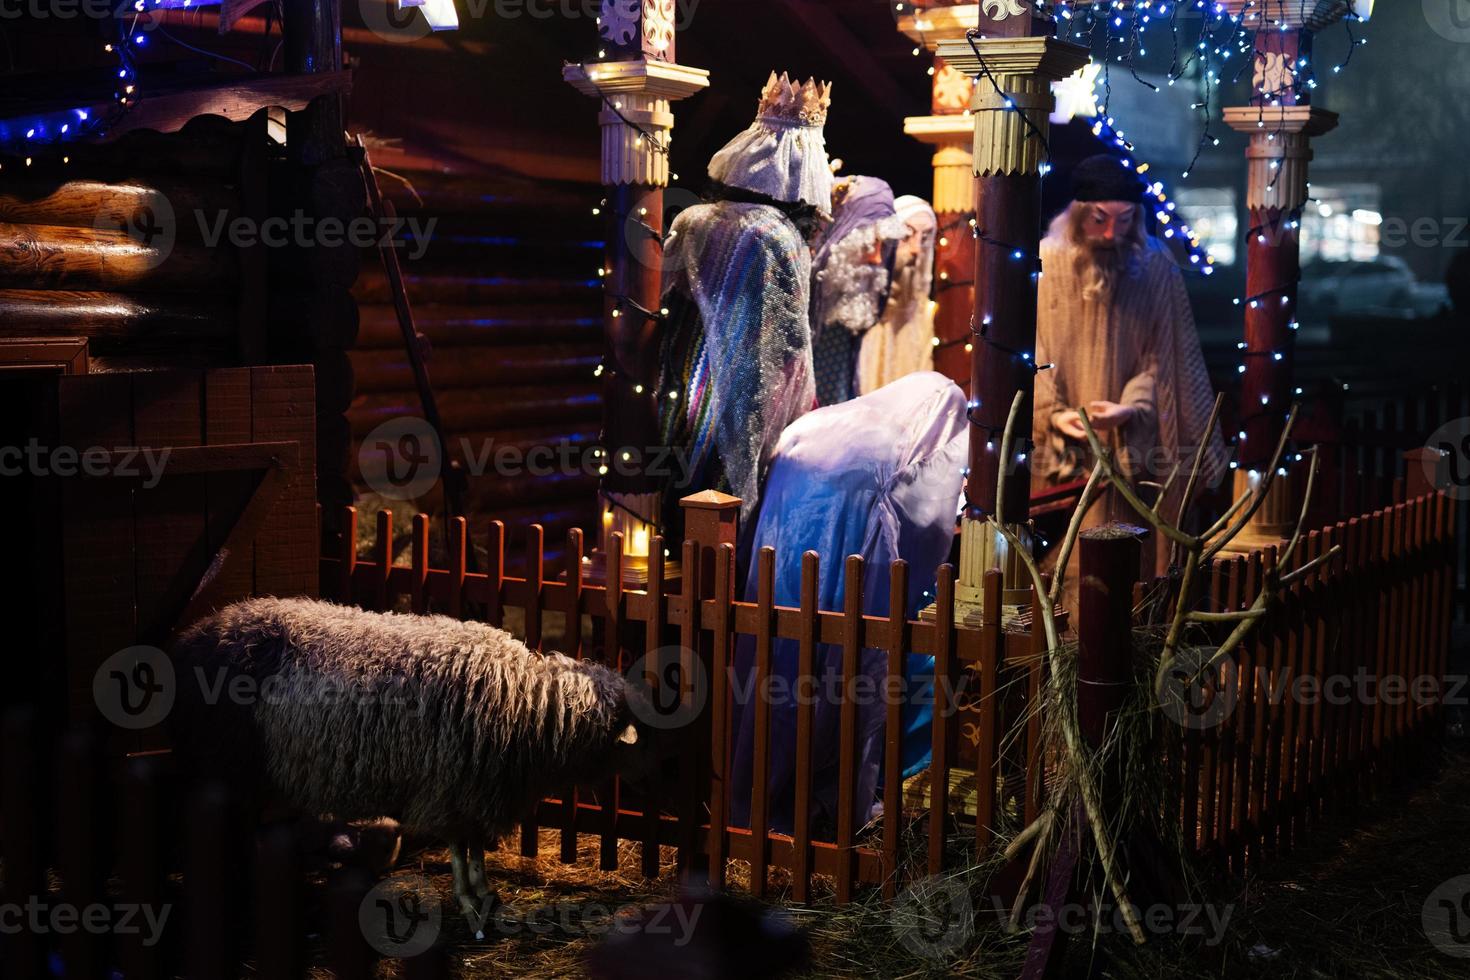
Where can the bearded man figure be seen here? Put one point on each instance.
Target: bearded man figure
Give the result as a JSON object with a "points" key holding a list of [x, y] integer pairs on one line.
{"points": [[1114, 318]]}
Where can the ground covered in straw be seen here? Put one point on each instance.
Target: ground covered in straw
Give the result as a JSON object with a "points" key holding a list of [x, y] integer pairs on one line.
{"points": [[1349, 904]]}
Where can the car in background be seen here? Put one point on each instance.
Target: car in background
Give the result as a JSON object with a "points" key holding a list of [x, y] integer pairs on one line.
{"points": [[1384, 285]]}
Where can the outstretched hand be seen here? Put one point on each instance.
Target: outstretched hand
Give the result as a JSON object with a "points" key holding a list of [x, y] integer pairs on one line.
{"points": [[1106, 415]]}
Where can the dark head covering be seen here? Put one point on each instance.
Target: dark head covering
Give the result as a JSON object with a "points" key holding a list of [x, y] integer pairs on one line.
{"points": [[1106, 178]]}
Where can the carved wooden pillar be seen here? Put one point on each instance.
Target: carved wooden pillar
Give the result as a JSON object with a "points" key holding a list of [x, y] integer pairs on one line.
{"points": [[951, 132], [636, 81], [1280, 122], [1015, 66]]}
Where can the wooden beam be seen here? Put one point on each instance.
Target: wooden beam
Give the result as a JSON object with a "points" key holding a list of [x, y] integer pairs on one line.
{"points": [[236, 100]]}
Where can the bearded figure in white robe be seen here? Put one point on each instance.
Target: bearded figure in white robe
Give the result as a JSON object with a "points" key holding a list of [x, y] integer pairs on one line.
{"points": [[1115, 321]]}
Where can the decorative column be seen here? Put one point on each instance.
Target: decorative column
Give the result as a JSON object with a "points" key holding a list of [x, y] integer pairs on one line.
{"points": [[636, 81], [1280, 122], [951, 132], [1016, 64]]}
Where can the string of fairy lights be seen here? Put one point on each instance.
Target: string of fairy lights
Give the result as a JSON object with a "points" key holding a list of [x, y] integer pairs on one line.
{"points": [[25, 137]]}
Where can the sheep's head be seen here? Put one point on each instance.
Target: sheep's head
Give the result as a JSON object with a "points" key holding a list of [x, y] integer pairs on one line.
{"points": [[637, 750]]}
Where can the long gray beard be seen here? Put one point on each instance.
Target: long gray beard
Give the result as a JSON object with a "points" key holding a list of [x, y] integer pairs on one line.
{"points": [[1101, 269]]}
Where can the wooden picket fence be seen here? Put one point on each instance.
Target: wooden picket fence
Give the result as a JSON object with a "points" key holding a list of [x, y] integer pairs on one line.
{"points": [[688, 810], [1256, 783], [1339, 686]]}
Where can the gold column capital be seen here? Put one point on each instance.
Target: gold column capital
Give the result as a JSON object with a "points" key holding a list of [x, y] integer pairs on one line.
{"points": [[639, 92], [1024, 69]]}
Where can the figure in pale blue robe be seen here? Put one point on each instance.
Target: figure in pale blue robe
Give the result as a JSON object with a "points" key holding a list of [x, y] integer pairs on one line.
{"points": [[878, 476]]}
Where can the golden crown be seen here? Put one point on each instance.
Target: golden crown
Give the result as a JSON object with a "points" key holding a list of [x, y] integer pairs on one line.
{"points": [[803, 104]]}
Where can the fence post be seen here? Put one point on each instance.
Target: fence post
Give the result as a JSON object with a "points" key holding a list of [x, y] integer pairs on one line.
{"points": [[1425, 471], [711, 520], [1109, 567], [1109, 563]]}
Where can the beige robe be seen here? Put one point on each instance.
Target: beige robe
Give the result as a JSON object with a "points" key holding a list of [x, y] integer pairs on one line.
{"points": [[1136, 346]]}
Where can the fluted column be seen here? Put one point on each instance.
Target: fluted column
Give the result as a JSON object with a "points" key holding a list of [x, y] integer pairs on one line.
{"points": [[636, 82], [1016, 63]]}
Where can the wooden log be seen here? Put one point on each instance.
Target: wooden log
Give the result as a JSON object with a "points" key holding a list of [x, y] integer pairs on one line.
{"points": [[468, 410], [509, 323], [499, 195], [475, 288], [88, 203], [389, 370], [48, 257], [115, 322]]}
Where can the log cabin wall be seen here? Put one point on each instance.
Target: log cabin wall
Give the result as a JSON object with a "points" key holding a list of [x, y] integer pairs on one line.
{"points": [[507, 295], [125, 244], [501, 181], [106, 246]]}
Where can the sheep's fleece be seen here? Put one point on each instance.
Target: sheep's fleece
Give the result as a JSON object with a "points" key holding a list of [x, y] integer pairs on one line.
{"points": [[453, 728]]}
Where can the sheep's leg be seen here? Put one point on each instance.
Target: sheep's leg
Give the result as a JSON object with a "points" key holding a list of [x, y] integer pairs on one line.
{"points": [[479, 882], [463, 895]]}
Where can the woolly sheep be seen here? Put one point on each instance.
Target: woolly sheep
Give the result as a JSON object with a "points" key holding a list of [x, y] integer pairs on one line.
{"points": [[455, 729]]}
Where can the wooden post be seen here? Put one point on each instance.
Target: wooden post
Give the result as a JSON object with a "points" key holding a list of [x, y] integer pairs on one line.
{"points": [[636, 81], [1109, 562], [325, 184], [1280, 123], [1015, 62], [711, 523], [951, 131]]}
